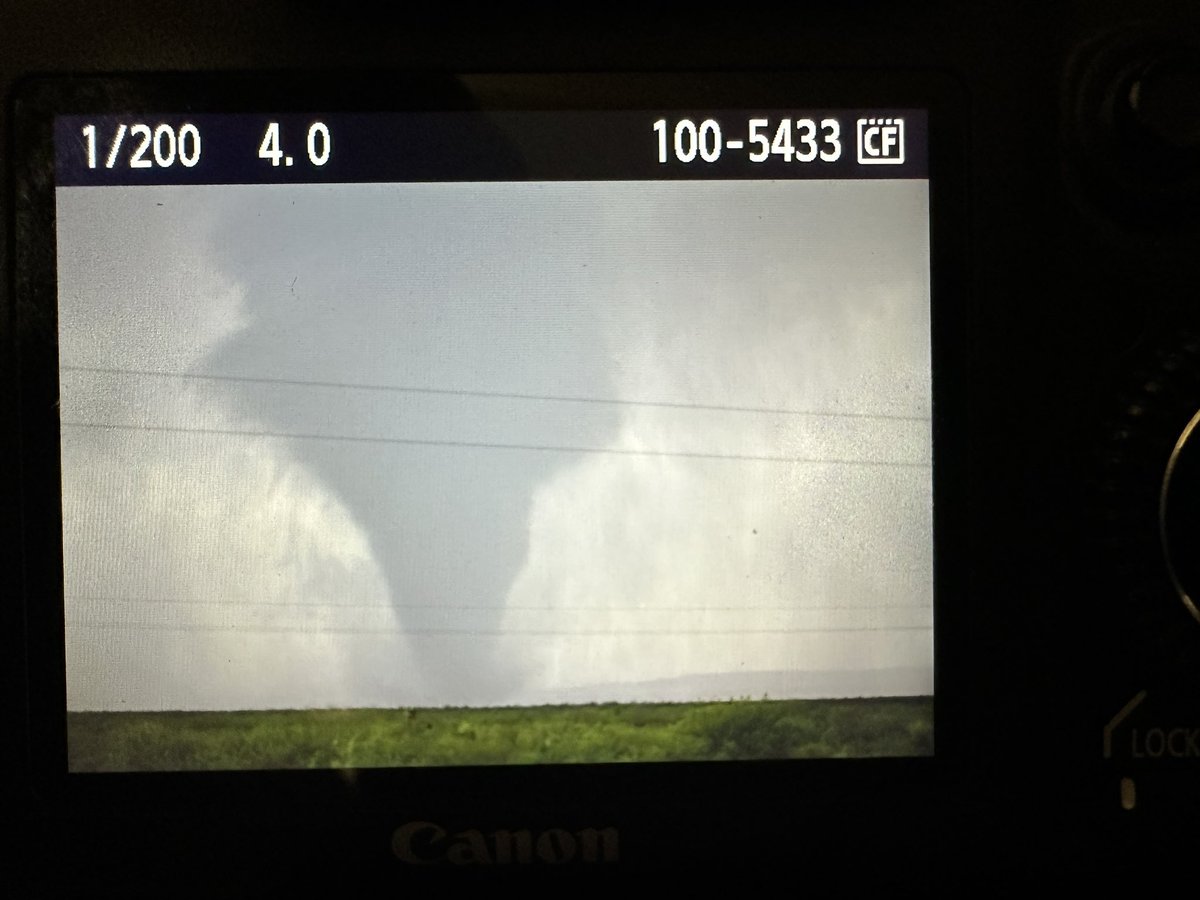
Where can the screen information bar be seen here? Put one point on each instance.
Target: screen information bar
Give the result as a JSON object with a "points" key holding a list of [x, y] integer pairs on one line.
{"points": [[784, 144]]}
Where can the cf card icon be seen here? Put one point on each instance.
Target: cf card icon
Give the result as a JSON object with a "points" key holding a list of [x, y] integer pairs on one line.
{"points": [[880, 142]]}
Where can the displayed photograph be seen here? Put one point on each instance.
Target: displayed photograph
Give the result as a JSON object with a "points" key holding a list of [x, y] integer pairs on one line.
{"points": [[447, 474]]}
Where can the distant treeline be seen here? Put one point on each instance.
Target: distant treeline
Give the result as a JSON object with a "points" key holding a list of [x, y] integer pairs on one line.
{"points": [[617, 732]]}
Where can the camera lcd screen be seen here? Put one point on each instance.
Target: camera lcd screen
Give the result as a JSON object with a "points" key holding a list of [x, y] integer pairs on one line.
{"points": [[494, 438]]}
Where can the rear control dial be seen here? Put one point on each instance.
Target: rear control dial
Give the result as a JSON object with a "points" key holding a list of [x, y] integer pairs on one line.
{"points": [[1179, 516]]}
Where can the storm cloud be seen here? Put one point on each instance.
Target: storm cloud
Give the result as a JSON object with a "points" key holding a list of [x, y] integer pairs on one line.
{"points": [[442, 444]]}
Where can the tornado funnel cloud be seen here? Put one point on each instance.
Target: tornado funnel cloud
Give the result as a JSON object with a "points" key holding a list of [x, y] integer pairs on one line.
{"points": [[404, 332]]}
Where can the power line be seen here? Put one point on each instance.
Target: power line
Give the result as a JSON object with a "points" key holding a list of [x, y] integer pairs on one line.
{"points": [[381, 607], [498, 395], [481, 445], [448, 632]]}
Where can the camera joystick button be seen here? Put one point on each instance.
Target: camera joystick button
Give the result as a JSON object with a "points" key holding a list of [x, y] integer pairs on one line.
{"points": [[1164, 99], [1133, 132]]}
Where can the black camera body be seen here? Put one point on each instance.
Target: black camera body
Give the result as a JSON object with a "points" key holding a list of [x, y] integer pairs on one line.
{"points": [[1064, 155]]}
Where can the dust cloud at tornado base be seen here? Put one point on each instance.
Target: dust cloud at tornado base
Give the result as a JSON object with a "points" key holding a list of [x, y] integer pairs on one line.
{"points": [[495, 443]]}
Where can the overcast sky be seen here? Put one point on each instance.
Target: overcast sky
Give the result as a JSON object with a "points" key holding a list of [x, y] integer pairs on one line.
{"points": [[443, 444]]}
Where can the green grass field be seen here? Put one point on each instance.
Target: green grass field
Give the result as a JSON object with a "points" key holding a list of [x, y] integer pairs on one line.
{"points": [[368, 738]]}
